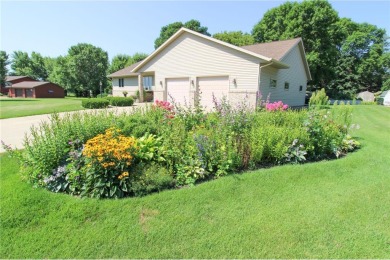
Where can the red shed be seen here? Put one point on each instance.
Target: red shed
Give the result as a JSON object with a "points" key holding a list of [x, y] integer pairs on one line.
{"points": [[36, 89]]}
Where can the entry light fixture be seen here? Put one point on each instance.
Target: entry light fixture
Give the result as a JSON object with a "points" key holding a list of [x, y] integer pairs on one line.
{"points": [[192, 82], [234, 81]]}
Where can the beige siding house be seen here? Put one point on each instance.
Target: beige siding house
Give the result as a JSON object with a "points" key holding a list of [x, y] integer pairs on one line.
{"points": [[190, 64]]}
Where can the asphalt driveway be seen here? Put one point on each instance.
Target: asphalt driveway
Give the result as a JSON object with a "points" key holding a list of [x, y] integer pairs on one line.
{"points": [[13, 130]]}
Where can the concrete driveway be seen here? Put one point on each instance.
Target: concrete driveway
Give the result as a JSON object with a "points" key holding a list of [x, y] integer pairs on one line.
{"points": [[13, 130]]}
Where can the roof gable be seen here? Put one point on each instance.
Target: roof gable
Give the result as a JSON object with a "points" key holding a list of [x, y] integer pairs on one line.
{"points": [[276, 50], [268, 53], [183, 30], [13, 78], [30, 84]]}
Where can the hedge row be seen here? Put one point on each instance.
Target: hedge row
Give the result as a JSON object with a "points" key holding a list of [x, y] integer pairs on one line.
{"points": [[95, 103], [120, 101]]}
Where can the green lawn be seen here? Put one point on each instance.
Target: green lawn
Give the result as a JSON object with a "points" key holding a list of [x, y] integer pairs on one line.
{"points": [[17, 107], [329, 209]]}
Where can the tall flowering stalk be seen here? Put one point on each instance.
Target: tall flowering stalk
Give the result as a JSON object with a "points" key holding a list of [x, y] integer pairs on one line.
{"points": [[166, 107]]}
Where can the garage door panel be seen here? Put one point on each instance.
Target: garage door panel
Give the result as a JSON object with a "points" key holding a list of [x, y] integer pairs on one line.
{"points": [[213, 86], [178, 89]]}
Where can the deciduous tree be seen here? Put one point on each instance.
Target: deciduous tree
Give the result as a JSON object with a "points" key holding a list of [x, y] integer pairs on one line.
{"points": [[4, 62], [86, 67], [170, 29], [237, 38], [314, 21]]}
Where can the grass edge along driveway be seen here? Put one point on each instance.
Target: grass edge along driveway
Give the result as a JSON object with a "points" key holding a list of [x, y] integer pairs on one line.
{"points": [[19, 107], [328, 209]]}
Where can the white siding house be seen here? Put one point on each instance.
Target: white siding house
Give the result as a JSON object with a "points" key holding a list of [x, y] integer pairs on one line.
{"points": [[190, 64]]}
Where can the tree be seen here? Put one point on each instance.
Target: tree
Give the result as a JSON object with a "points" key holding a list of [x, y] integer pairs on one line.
{"points": [[86, 68], [4, 62], [21, 64], [364, 48], [347, 83], [237, 38], [170, 29], [138, 56], [119, 62], [314, 21], [58, 71], [34, 67]]}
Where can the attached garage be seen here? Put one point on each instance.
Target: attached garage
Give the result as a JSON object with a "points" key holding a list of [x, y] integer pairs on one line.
{"points": [[212, 86], [179, 90]]}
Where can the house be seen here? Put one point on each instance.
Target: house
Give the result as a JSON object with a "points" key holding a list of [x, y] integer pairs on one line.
{"points": [[9, 80], [190, 65], [36, 89]]}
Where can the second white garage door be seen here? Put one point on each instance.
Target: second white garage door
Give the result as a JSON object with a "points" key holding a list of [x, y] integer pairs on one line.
{"points": [[179, 90], [219, 86]]}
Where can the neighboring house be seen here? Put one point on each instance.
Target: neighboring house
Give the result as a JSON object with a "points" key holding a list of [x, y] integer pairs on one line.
{"points": [[9, 80], [36, 89], [190, 64], [366, 96]]}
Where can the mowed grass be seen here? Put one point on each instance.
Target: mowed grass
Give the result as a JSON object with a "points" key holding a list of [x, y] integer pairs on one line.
{"points": [[18, 107], [329, 209]]}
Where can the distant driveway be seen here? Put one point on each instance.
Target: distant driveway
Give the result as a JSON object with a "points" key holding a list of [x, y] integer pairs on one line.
{"points": [[13, 130]]}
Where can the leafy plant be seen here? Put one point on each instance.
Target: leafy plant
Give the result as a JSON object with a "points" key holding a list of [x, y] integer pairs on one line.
{"points": [[319, 99], [108, 158]]}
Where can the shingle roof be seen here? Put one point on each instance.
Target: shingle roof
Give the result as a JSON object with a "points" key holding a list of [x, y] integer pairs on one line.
{"points": [[29, 84], [276, 50], [125, 72], [11, 78]]}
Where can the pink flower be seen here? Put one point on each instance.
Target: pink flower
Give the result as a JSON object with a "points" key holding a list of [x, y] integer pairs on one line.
{"points": [[276, 106]]}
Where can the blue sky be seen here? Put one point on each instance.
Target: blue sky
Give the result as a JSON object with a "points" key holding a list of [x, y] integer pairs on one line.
{"points": [[126, 27]]}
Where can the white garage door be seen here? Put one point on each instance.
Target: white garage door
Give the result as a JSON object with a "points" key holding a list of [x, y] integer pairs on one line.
{"points": [[219, 86], [179, 90]]}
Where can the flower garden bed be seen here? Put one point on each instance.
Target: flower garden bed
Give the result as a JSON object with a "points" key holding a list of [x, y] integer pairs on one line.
{"points": [[104, 155]]}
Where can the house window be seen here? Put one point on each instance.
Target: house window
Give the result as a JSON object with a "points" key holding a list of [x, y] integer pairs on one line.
{"points": [[286, 86], [300, 88], [147, 82], [121, 83], [273, 83]]}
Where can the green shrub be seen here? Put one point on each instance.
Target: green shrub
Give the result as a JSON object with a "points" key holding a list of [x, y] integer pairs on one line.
{"points": [[319, 99], [95, 103], [121, 101], [380, 100]]}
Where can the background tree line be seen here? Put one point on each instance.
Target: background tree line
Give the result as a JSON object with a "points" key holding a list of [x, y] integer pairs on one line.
{"points": [[344, 57]]}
